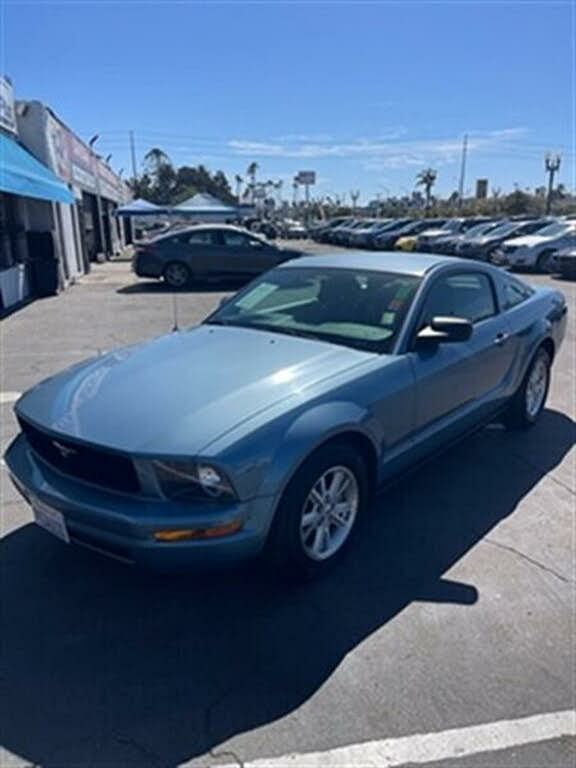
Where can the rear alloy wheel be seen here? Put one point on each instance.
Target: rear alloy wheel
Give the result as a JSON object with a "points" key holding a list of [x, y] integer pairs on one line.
{"points": [[318, 512], [529, 401], [176, 275]]}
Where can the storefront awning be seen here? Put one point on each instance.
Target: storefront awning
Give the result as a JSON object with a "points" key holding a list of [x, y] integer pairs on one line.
{"points": [[21, 174]]}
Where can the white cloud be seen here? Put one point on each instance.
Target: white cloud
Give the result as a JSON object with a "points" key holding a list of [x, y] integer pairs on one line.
{"points": [[379, 152]]}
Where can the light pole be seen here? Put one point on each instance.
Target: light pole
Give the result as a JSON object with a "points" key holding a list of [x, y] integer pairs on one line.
{"points": [[101, 235], [552, 165]]}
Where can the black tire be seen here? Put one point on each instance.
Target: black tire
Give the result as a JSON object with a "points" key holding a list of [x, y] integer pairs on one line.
{"points": [[518, 415], [544, 262], [177, 275], [285, 550]]}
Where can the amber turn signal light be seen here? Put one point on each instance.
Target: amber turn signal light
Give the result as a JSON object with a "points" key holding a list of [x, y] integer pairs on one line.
{"points": [[187, 534]]}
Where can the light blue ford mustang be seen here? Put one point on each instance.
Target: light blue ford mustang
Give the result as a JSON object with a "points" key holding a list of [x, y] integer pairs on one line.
{"points": [[265, 429]]}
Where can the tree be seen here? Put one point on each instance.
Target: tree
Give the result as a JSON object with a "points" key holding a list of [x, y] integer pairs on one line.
{"points": [[239, 181], [165, 183], [517, 203], [155, 158], [427, 179], [142, 187], [251, 172]]}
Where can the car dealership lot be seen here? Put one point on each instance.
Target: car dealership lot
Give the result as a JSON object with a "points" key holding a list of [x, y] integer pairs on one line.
{"points": [[455, 608]]}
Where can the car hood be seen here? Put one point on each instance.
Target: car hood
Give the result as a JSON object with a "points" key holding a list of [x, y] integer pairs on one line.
{"points": [[176, 394], [433, 233], [530, 240], [485, 239], [290, 252]]}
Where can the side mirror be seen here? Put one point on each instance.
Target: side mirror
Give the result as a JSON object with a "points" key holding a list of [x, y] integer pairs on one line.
{"points": [[444, 330]]}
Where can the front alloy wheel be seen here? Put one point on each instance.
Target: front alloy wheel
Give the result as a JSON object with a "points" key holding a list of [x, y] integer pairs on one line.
{"points": [[329, 513], [319, 511]]}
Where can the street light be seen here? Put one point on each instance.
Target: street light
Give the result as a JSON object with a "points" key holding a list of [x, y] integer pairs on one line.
{"points": [[101, 235], [552, 165]]}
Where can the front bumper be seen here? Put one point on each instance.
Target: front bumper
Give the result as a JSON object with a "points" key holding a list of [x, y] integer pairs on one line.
{"points": [[122, 526]]}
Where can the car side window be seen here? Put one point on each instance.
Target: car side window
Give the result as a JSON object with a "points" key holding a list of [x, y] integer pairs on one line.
{"points": [[235, 239], [515, 293], [202, 237], [468, 294]]}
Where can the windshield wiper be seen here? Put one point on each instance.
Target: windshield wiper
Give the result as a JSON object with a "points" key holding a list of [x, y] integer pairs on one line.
{"points": [[219, 321]]}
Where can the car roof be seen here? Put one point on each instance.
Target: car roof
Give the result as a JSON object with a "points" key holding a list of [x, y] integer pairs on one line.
{"points": [[183, 229], [382, 261]]}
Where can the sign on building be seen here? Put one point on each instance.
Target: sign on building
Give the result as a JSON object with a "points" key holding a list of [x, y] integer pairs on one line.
{"points": [[481, 189], [306, 177], [7, 111]]}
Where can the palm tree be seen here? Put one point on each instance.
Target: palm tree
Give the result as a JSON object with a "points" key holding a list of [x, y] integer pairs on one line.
{"points": [[155, 158], [278, 188], [251, 172], [294, 191], [427, 179], [239, 181]]}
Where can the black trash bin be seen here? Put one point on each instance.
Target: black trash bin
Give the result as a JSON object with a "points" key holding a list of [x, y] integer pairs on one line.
{"points": [[44, 263]]}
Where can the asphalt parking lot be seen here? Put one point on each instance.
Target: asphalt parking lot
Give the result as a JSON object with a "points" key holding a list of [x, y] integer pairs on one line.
{"points": [[456, 608]]}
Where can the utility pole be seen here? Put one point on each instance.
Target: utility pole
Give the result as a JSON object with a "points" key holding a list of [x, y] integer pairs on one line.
{"points": [[552, 164], [307, 192], [133, 153], [354, 196], [462, 172]]}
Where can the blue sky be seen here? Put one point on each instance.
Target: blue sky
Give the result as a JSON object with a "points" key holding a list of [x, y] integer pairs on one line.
{"points": [[366, 94]]}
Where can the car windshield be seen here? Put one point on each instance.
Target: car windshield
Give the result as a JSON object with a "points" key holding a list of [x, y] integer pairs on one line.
{"points": [[506, 229], [452, 225], [482, 229], [363, 309], [557, 228]]}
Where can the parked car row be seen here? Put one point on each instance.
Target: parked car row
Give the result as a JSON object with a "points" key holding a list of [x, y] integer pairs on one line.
{"points": [[516, 242]]}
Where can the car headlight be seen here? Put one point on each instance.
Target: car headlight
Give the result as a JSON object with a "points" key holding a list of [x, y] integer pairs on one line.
{"points": [[183, 480]]}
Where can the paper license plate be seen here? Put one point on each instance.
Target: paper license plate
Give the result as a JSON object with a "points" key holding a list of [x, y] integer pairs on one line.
{"points": [[51, 520]]}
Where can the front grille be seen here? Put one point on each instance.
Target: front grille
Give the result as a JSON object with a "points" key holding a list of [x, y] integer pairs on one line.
{"points": [[88, 463]]}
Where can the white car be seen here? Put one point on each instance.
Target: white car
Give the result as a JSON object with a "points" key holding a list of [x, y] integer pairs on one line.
{"points": [[536, 251]]}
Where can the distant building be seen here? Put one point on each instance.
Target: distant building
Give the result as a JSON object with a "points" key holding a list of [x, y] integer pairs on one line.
{"points": [[481, 189]]}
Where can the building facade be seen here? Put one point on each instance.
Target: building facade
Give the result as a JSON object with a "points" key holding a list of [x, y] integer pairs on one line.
{"points": [[88, 230], [29, 192]]}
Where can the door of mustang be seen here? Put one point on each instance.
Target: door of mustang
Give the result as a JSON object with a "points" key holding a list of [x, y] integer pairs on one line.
{"points": [[459, 383]]}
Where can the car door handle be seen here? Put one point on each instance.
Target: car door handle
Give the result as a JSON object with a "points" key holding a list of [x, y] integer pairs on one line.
{"points": [[501, 338]]}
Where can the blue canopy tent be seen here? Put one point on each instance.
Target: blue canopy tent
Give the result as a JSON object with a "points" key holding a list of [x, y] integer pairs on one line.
{"points": [[205, 207], [140, 208], [21, 174]]}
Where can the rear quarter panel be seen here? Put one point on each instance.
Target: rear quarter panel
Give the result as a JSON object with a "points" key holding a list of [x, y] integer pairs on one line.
{"points": [[542, 316]]}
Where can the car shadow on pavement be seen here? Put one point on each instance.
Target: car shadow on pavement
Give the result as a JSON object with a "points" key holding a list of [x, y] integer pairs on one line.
{"points": [[159, 287], [107, 665]]}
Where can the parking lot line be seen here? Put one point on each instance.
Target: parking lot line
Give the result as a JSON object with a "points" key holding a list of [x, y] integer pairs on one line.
{"points": [[431, 747], [9, 397]]}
